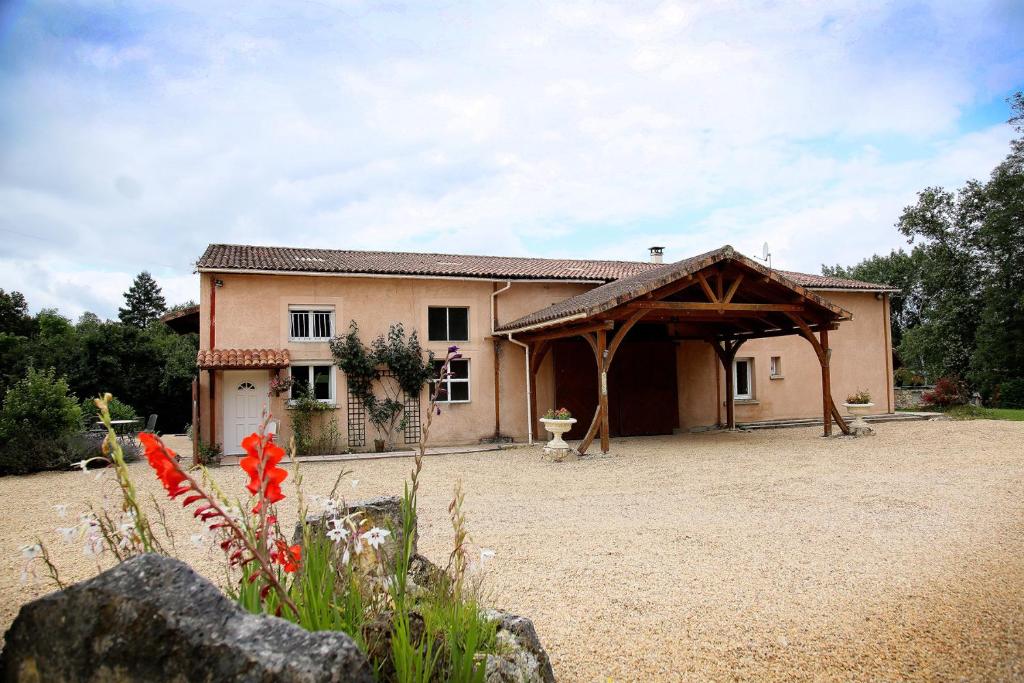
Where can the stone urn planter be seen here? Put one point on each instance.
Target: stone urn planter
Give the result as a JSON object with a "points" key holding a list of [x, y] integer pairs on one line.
{"points": [[858, 410], [557, 448]]}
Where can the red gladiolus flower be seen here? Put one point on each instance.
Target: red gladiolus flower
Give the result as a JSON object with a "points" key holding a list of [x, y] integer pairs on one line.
{"points": [[270, 454], [287, 557], [162, 459]]}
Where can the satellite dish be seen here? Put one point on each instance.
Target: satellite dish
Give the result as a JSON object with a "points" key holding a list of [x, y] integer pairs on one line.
{"points": [[764, 252]]}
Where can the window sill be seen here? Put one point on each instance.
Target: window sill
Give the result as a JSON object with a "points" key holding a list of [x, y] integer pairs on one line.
{"points": [[450, 403], [327, 404], [777, 377], [744, 402], [309, 340]]}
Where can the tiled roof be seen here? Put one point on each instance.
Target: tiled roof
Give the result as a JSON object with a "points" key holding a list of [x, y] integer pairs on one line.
{"points": [[226, 359], [613, 294], [241, 257], [829, 282], [286, 259]]}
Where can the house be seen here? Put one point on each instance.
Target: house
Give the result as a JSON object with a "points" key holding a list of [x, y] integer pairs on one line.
{"points": [[629, 347]]}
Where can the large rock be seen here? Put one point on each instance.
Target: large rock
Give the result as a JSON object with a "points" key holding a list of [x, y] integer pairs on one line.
{"points": [[384, 512], [152, 618], [522, 658]]}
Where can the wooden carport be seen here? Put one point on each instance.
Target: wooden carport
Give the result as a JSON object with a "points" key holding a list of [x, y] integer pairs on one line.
{"points": [[722, 297]]}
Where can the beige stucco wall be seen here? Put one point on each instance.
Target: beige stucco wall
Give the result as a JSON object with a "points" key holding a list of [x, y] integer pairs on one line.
{"points": [[861, 359], [252, 312]]}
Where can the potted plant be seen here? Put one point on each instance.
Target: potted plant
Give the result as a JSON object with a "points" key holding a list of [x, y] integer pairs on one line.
{"points": [[557, 422], [280, 384], [858, 405]]}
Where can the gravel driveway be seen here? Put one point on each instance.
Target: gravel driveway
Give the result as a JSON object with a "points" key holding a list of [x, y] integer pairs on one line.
{"points": [[766, 555]]}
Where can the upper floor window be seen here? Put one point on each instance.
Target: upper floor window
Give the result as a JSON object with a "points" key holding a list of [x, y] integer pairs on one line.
{"points": [[454, 389], [743, 378], [309, 324], [445, 323]]}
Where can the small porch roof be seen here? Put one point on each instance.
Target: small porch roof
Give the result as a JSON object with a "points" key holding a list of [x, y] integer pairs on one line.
{"points": [[242, 359], [741, 299]]}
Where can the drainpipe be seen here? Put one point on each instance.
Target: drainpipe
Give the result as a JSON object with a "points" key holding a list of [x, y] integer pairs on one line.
{"points": [[529, 406]]}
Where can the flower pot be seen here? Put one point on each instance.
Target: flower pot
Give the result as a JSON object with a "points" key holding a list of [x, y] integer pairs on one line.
{"points": [[380, 445], [858, 410], [557, 428]]}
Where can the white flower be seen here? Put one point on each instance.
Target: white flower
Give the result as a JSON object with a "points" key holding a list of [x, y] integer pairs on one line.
{"points": [[357, 545], [346, 556], [355, 483], [67, 533], [82, 464], [485, 554], [337, 534], [62, 510], [330, 505], [127, 529], [93, 545], [376, 536], [31, 552]]}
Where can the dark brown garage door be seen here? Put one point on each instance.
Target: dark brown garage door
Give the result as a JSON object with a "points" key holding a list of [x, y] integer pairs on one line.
{"points": [[642, 386]]}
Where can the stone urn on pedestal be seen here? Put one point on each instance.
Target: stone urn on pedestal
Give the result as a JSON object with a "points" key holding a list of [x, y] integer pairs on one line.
{"points": [[557, 422], [858, 405]]}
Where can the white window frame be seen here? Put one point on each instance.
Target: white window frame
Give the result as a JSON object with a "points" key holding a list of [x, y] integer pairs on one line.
{"points": [[775, 367], [333, 399], [448, 324], [310, 312], [750, 379], [468, 381]]}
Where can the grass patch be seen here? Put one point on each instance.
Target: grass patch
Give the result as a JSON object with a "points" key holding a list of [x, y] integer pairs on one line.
{"points": [[979, 413]]}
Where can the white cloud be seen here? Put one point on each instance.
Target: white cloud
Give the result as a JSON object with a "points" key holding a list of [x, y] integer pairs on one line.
{"points": [[507, 128]]}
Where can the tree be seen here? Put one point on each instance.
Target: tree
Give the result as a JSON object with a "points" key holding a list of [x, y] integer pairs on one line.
{"points": [[899, 269], [962, 315], [14, 316], [144, 302]]}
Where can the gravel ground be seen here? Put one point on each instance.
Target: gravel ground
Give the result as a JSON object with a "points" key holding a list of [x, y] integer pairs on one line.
{"points": [[726, 556]]}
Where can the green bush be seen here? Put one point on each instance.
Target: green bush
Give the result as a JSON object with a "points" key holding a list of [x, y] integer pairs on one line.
{"points": [[118, 411], [1011, 393], [37, 419]]}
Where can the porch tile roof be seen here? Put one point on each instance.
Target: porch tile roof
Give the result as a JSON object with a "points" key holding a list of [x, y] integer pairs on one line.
{"points": [[608, 296], [233, 359]]}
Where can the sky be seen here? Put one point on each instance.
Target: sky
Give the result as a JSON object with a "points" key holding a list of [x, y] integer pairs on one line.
{"points": [[134, 134]]}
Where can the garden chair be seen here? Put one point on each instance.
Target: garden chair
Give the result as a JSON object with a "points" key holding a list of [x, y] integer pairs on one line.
{"points": [[151, 424]]}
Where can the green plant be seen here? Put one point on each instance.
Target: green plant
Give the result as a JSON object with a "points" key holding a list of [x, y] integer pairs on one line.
{"points": [[118, 411], [860, 397], [402, 356], [1010, 393], [948, 392], [208, 454], [37, 418], [905, 377], [303, 408], [559, 414]]}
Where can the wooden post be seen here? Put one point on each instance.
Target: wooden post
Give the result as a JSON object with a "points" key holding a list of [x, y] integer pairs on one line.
{"points": [[602, 386], [726, 352], [730, 392], [826, 383], [533, 393]]}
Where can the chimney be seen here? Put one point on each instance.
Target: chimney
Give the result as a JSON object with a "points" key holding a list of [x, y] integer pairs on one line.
{"points": [[656, 254]]}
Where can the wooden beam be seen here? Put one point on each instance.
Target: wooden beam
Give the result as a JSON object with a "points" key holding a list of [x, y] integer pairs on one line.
{"points": [[703, 306], [829, 410], [726, 352], [588, 439], [567, 331], [707, 288], [732, 288], [602, 387], [620, 335], [719, 286]]}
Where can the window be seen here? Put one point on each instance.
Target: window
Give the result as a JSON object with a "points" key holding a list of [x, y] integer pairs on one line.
{"points": [[454, 389], [319, 377], [743, 378], [447, 324], [776, 367], [309, 324]]}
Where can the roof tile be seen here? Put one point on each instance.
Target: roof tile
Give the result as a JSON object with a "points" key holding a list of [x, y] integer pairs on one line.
{"points": [[227, 359]]}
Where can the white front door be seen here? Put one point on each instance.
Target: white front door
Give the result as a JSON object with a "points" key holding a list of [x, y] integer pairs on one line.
{"points": [[245, 396]]}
